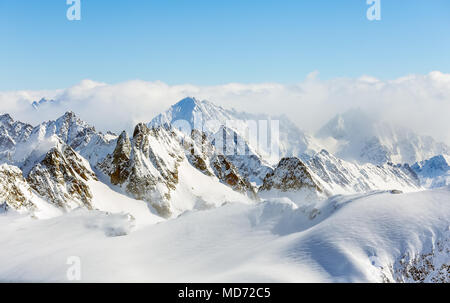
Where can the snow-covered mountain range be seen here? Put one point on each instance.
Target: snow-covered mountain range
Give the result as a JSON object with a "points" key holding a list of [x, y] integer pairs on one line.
{"points": [[176, 163], [59, 159], [209, 118]]}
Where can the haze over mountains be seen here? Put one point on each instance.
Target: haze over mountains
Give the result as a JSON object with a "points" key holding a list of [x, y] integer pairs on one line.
{"points": [[417, 101], [163, 171], [355, 135]]}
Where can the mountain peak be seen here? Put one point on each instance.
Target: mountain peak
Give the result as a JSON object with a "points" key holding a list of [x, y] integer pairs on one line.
{"points": [[187, 102], [184, 108], [43, 101], [70, 129], [345, 124], [190, 109], [191, 105], [70, 118], [140, 129], [69, 114], [6, 118], [198, 114], [12, 132]]}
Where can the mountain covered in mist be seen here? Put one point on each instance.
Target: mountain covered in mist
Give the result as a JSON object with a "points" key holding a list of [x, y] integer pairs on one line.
{"points": [[355, 135]]}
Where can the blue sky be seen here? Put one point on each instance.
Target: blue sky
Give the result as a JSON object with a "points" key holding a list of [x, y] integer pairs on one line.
{"points": [[215, 42]]}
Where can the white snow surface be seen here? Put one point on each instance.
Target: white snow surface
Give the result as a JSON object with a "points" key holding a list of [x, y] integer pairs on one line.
{"points": [[108, 200], [359, 238]]}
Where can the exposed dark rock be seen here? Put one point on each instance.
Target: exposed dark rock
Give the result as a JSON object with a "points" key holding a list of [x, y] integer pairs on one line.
{"points": [[61, 177], [14, 190], [291, 174]]}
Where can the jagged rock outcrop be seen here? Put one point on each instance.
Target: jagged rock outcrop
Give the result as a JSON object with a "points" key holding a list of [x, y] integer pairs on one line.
{"points": [[204, 156], [119, 160], [16, 130], [79, 135], [146, 166], [290, 175], [247, 161], [46, 156], [15, 192], [251, 167], [11, 133], [199, 151], [70, 129], [61, 178], [341, 177], [227, 173], [431, 265]]}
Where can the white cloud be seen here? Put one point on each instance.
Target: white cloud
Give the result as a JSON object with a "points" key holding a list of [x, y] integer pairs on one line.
{"points": [[421, 102]]}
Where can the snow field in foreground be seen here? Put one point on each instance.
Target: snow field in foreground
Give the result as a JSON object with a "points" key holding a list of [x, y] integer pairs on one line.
{"points": [[359, 238]]}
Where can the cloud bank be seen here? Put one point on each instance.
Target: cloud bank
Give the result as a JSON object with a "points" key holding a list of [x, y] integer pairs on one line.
{"points": [[420, 102]]}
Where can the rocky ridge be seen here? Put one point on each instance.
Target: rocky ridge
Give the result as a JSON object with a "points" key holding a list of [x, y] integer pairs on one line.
{"points": [[59, 160]]}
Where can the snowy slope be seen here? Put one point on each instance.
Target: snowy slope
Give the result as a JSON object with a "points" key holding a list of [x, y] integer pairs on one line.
{"points": [[363, 238], [107, 200], [357, 136]]}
